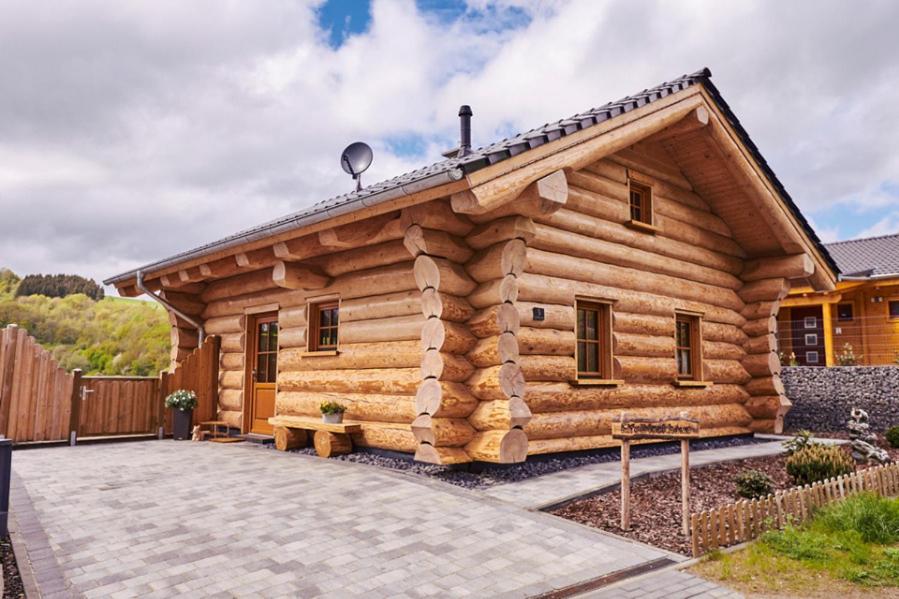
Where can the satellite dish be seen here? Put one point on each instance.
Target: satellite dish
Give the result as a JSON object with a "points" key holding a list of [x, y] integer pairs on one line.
{"points": [[356, 158]]}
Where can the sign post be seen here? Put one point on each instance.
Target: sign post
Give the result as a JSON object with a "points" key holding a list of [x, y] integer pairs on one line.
{"points": [[679, 428]]}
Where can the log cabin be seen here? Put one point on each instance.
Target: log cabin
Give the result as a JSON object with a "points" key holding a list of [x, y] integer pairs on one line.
{"points": [[860, 317], [513, 300]]}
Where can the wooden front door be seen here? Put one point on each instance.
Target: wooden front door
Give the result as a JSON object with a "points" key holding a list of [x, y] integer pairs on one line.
{"points": [[807, 330], [262, 363]]}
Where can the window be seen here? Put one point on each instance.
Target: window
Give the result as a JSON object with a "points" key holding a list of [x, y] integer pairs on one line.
{"points": [[594, 340], [323, 321], [687, 347], [266, 350], [640, 202], [844, 312], [894, 309], [811, 339], [811, 357], [810, 322]]}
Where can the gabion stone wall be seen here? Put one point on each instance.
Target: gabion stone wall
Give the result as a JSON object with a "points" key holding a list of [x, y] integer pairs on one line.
{"points": [[823, 397]]}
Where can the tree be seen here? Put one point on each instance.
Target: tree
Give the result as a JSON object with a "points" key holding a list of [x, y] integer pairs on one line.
{"points": [[59, 286]]}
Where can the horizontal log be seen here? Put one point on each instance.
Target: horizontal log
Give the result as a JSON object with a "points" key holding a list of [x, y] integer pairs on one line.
{"points": [[444, 399], [401, 303], [395, 328], [231, 400], [232, 418], [293, 316], [493, 351], [796, 266], [500, 447], [765, 290], [499, 260], [767, 406], [444, 456], [588, 271], [232, 342], [290, 438], [360, 406], [647, 346], [764, 364], [444, 366], [548, 368], [503, 229], [393, 354], [551, 289], [361, 258], [555, 397], [725, 333], [725, 371], [442, 275], [761, 326], [386, 435], [761, 344], [439, 216], [439, 244], [766, 385], [231, 379], [444, 306], [636, 369], [556, 425], [760, 309], [225, 324], [231, 361], [298, 275], [561, 241], [382, 381], [497, 382], [494, 320], [642, 324], [717, 350], [547, 342], [568, 444], [504, 290], [292, 337], [502, 414], [251, 282], [446, 336], [442, 432], [369, 231], [554, 316]]}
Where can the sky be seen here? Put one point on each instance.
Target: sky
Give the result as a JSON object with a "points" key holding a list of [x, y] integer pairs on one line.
{"points": [[130, 131]]}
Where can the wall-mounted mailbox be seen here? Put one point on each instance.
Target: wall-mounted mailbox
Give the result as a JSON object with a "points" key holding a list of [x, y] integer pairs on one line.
{"points": [[538, 314]]}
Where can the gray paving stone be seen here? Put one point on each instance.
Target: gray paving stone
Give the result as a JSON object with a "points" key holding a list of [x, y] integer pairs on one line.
{"points": [[164, 518]]}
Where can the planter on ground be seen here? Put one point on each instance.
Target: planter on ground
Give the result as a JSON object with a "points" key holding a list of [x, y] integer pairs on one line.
{"points": [[181, 421]]}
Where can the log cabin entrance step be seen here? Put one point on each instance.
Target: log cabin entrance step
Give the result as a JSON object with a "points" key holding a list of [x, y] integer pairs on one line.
{"points": [[257, 438], [292, 432]]}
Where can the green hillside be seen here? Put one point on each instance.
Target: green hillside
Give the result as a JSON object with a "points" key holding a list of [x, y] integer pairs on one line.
{"points": [[109, 336]]}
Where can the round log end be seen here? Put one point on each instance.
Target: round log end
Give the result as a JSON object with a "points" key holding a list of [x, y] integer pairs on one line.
{"points": [[330, 444], [289, 438]]}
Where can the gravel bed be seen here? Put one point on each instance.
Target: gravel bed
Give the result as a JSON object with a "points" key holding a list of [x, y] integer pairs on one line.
{"points": [[482, 476], [12, 581]]}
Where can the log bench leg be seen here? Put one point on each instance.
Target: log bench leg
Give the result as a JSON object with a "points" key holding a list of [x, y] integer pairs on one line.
{"points": [[330, 444], [290, 438]]}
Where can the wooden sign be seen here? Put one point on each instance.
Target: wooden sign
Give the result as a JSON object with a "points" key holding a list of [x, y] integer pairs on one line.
{"points": [[656, 428], [680, 428]]}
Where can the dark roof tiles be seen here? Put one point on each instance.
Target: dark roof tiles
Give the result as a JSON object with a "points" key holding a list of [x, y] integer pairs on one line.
{"points": [[870, 257]]}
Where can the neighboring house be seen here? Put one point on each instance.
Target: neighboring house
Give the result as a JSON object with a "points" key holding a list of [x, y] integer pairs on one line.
{"points": [[515, 299], [862, 312]]}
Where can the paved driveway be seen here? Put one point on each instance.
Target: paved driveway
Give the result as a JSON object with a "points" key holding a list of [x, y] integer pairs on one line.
{"points": [[166, 518]]}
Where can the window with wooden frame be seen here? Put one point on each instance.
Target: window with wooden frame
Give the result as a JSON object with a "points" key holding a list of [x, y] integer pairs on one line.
{"points": [[688, 346], [324, 319], [640, 198], [844, 312], [594, 340], [894, 309]]}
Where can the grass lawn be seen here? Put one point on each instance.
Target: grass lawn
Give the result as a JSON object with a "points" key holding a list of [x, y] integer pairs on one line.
{"points": [[850, 549]]}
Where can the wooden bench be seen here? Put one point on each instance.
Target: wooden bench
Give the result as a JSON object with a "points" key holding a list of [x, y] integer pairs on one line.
{"points": [[291, 432]]}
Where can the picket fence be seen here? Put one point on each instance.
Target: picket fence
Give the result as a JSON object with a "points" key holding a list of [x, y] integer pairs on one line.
{"points": [[746, 520]]}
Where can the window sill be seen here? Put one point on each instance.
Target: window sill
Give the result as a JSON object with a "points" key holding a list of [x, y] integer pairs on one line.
{"points": [[596, 382], [691, 383], [641, 226], [321, 353]]}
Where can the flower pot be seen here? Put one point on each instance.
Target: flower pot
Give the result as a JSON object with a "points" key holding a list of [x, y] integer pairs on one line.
{"points": [[332, 418], [181, 421]]}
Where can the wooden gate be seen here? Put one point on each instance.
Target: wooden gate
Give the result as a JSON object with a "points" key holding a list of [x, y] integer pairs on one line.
{"points": [[39, 401]]}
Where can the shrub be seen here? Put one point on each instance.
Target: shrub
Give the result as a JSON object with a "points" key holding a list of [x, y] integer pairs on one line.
{"points": [[753, 484], [801, 440], [847, 356], [818, 462], [182, 399], [893, 436], [875, 518], [332, 407]]}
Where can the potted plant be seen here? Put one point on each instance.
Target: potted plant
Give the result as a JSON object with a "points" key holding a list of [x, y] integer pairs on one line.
{"points": [[332, 412], [182, 402]]}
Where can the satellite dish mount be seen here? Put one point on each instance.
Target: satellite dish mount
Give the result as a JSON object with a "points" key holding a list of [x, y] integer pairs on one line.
{"points": [[355, 160]]}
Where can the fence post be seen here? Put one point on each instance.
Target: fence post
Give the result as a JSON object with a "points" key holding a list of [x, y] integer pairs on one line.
{"points": [[75, 410], [160, 404], [9, 338]]}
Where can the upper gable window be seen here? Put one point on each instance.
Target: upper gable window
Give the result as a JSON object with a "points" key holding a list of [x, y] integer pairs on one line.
{"points": [[640, 196]]}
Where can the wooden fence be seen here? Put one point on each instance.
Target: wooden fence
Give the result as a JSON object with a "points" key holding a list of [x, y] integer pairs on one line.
{"points": [[39, 401], [746, 520]]}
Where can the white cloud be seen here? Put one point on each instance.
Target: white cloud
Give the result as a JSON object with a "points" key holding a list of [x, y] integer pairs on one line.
{"points": [[131, 131]]}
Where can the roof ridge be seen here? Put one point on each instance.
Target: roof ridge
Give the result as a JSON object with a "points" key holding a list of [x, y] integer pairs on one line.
{"points": [[861, 239]]}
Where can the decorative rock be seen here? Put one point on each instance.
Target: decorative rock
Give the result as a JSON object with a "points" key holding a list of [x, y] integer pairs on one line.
{"points": [[863, 440]]}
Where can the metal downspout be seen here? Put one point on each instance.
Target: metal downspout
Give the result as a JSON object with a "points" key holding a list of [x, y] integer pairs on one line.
{"points": [[201, 333]]}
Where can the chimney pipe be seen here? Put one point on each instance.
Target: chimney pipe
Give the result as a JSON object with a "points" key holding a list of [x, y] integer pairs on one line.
{"points": [[465, 115]]}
